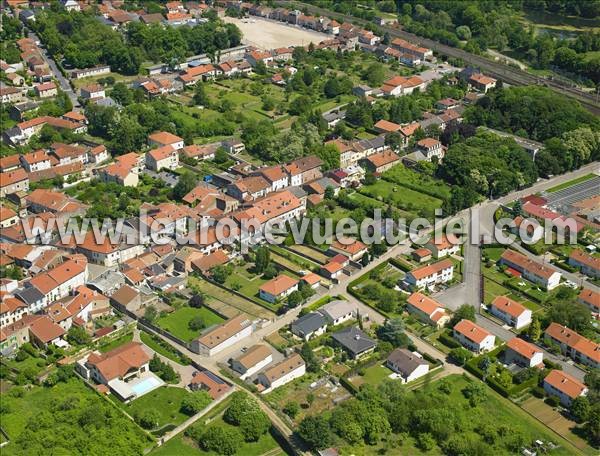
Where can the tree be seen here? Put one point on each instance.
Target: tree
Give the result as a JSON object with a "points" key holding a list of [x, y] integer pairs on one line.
{"points": [[295, 298], [121, 94], [534, 331], [260, 68], [460, 355], [291, 409], [197, 323], [150, 313], [392, 331], [200, 96], [78, 335], [195, 402], [374, 74], [254, 424], [314, 430], [197, 300], [464, 312], [185, 184], [581, 409], [365, 259], [475, 392], [241, 404], [330, 155], [311, 360], [148, 419], [220, 273], [221, 156], [221, 439], [332, 87], [329, 192], [262, 259]]}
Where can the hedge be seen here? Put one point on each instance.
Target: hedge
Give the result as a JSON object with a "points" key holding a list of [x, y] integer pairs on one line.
{"points": [[348, 385], [402, 265], [448, 341]]}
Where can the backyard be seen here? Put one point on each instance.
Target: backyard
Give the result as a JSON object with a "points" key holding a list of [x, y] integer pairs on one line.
{"points": [[177, 322], [418, 203]]}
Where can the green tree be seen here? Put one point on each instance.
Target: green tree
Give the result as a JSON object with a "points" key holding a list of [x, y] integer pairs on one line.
{"points": [[262, 259], [460, 355], [150, 313], [330, 155], [78, 335], [374, 74], [311, 360], [392, 331], [534, 331], [197, 323], [194, 403], [294, 299], [315, 431], [148, 419], [221, 439], [581, 408], [464, 312], [291, 409], [185, 184], [200, 96], [254, 424]]}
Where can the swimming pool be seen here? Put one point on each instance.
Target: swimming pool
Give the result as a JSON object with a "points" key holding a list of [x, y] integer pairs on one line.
{"points": [[145, 385]]}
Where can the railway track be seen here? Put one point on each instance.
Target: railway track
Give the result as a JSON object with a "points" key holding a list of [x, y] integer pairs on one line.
{"points": [[506, 73]]}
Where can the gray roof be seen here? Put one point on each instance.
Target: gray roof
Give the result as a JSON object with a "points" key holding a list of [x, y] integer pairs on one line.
{"points": [[334, 115], [298, 192], [336, 309], [405, 361], [354, 340], [29, 295], [375, 143], [308, 323]]}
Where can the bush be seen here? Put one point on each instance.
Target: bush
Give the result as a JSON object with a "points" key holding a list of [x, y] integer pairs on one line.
{"points": [[148, 419], [552, 401], [194, 403], [538, 392]]}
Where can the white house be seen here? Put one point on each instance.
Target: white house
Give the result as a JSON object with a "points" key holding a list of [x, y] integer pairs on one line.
{"points": [[511, 312], [164, 138], [564, 386], [281, 373], [430, 275], [442, 247], [309, 325], [427, 309], [219, 338], [278, 288], [255, 358], [164, 157], [408, 365], [533, 271], [523, 353], [338, 311], [473, 337]]}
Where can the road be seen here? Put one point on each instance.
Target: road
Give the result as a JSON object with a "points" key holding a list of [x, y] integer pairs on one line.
{"points": [[64, 83], [508, 74]]}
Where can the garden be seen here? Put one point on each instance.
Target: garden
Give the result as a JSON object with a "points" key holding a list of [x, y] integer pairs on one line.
{"points": [[187, 323]]}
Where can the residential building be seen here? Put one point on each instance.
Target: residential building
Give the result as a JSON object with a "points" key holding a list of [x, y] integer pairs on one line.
{"points": [[8, 217], [531, 270], [164, 157], [309, 325], [219, 338], [441, 246], [87, 72], [354, 341], [591, 299], [278, 288], [351, 248], [304, 170], [249, 188], [427, 309], [523, 353], [11, 310], [566, 387], [481, 82], [430, 148], [164, 138], [107, 253], [252, 361], [385, 126], [381, 161], [408, 365], [473, 337], [92, 92], [579, 348], [588, 264], [276, 176], [409, 48], [332, 270], [46, 90], [430, 275], [59, 281], [281, 373], [209, 382], [510, 312], [11, 95], [36, 161], [338, 312]]}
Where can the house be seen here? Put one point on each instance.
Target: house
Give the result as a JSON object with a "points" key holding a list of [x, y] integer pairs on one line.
{"points": [[124, 171], [308, 325], [399, 85], [430, 275], [385, 126], [60, 281], [338, 312], [252, 361], [589, 265], [446, 103], [8, 217], [579, 348], [430, 148], [44, 332], [220, 337], [69, 153], [164, 138], [108, 254], [332, 270], [98, 154], [523, 353], [126, 297], [120, 369], [531, 270], [11, 95], [11, 310], [276, 176], [427, 309], [421, 255], [351, 248], [304, 170], [233, 146], [278, 288], [481, 82], [13, 182], [10, 163], [381, 162], [92, 92], [209, 382], [15, 335], [591, 299], [510, 311], [281, 373], [411, 49], [564, 386], [473, 337], [46, 90], [164, 157], [200, 152], [249, 188], [408, 365], [41, 200], [354, 341]]}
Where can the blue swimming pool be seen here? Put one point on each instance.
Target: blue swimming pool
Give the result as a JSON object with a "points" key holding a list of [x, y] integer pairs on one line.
{"points": [[145, 385]]}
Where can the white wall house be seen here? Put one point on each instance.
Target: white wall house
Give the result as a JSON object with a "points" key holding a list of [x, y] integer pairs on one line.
{"points": [[473, 337], [251, 362], [281, 373], [223, 336], [431, 275], [510, 312]]}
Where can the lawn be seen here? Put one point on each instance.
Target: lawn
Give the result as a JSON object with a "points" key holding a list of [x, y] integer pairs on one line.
{"points": [[293, 258], [402, 197], [493, 253], [114, 343], [310, 252], [373, 375], [163, 348], [164, 400], [177, 322], [68, 418], [414, 180], [570, 183]]}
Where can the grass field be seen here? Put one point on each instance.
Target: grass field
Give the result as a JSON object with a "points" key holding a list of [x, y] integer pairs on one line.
{"points": [[163, 348], [374, 375], [402, 197], [114, 343], [570, 183], [401, 175], [177, 322], [164, 400], [310, 252]]}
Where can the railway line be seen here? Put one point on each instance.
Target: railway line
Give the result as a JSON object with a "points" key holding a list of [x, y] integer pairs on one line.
{"points": [[510, 75]]}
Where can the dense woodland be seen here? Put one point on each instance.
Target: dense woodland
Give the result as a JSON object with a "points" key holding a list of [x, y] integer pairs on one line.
{"points": [[84, 41]]}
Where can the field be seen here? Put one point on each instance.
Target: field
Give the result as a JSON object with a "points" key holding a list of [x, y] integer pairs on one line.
{"points": [[310, 252], [373, 375], [59, 420], [404, 176], [221, 300], [177, 322], [267, 34], [164, 400], [412, 201]]}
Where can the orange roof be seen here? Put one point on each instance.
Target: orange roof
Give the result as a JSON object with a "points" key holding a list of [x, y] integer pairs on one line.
{"points": [[200, 70], [254, 355], [134, 275], [6, 213], [55, 277], [583, 258], [116, 363], [426, 271], [523, 348], [332, 267], [428, 143], [214, 388], [410, 129], [271, 206], [165, 138], [574, 340], [224, 331], [565, 383], [45, 86], [283, 367], [273, 173], [526, 263], [73, 115], [178, 15], [45, 329], [383, 158], [311, 278], [590, 297], [207, 262], [10, 161], [91, 245], [278, 285], [161, 153], [386, 125], [471, 331], [424, 303], [509, 306], [10, 304], [482, 79], [12, 177], [351, 248]]}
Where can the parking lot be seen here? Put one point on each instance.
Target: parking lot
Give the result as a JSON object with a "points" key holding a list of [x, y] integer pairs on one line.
{"points": [[573, 194]]}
